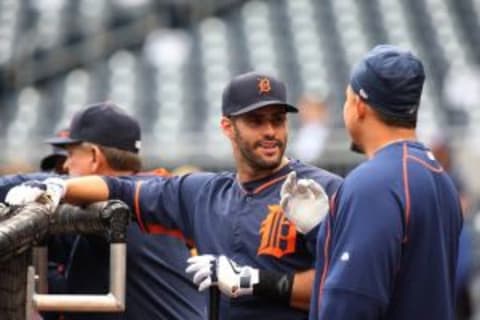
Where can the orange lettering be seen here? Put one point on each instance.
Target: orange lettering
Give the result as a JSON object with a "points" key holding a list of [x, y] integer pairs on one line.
{"points": [[278, 235]]}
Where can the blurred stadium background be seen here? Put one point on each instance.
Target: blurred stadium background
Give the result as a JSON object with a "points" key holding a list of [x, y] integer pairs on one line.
{"points": [[167, 61]]}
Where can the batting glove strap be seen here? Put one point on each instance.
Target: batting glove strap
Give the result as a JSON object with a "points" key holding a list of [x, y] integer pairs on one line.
{"points": [[274, 286], [232, 280]]}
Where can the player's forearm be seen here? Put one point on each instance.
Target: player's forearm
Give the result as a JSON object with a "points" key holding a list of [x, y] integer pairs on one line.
{"points": [[302, 289], [86, 190]]}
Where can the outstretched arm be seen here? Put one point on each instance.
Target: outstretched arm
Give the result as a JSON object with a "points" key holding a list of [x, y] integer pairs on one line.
{"points": [[86, 190], [53, 190], [160, 205]]}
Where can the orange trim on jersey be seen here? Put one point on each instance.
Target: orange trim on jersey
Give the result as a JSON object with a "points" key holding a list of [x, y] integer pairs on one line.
{"points": [[332, 204], [268, 184], [136, 206], [326, 248], [326, 262], [160, 172], [425, 164], [158, 229], [406, 190]]}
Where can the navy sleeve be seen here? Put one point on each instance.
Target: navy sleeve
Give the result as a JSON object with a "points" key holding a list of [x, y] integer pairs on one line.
{"points": [[10, 181], [122, 188], [464, 261], [162, 205], [311, 236], [347, 305], [332, 186], [311, 239], [365, 251]]}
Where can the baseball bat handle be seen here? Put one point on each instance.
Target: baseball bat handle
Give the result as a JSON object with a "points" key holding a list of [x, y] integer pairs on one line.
{"points": [[214, 305]]}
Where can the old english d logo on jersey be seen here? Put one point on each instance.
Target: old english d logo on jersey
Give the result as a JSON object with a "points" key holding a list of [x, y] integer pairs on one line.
{"points": [[264, 85], [277, 234]]}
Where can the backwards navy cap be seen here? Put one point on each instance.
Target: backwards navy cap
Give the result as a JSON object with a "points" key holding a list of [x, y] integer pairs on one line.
{"points": [[104, 124], [390, 80], [251, 91]]}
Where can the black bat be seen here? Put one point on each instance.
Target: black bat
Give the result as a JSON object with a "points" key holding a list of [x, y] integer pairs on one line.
{"points": [[214, 305]]}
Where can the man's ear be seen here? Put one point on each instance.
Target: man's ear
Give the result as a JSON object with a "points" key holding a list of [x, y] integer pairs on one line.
{"points": [[226, 124], [98, 159], [360, 107]]}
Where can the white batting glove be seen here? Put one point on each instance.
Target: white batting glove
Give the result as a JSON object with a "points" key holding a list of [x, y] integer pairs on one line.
{"points": [[232, 280], [304, 202], [49, 192]]}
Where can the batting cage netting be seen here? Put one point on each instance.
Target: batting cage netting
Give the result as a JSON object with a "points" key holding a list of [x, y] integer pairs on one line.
{"points": [[22, 228]]}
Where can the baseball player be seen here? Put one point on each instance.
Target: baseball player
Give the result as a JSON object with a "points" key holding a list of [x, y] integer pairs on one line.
{"points": [[105, 140], [388, 248], [249, 250]]}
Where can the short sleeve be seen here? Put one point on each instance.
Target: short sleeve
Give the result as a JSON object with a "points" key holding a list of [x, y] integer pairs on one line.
{"points": [[162, 205]]}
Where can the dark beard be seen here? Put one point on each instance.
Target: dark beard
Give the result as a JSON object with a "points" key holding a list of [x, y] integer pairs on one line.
{"points": [[255, 162], [356, 148]]}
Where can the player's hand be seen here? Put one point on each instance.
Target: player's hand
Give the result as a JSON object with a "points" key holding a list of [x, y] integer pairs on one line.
{"points": [[232, 280], [49, 192], [304, 202]]}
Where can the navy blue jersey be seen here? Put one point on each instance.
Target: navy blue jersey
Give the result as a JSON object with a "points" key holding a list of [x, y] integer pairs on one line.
{"points": [[157, 285], [222, 216], [388, 248], [9, 181]]}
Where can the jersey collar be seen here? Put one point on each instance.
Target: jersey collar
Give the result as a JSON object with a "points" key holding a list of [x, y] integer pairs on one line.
{"points": [[410, 143], [257, 186]]}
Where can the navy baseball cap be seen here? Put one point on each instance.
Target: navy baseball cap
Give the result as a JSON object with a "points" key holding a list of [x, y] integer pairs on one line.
{"points": [[251, 91], [390, 79], [49, 162], [104, 124]]}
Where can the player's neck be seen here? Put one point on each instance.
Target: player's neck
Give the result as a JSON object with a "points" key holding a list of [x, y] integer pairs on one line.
{"points": [[246, 173], [386, 137]]}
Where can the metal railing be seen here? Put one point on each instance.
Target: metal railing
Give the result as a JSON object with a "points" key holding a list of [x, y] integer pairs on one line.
{"points": [[22, 228]]}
